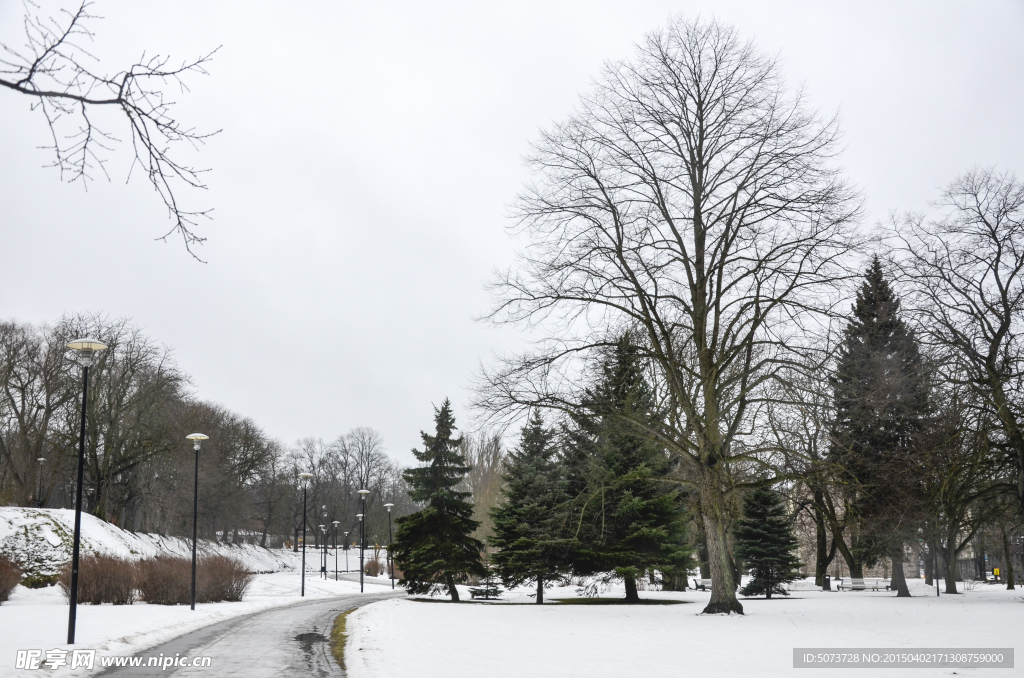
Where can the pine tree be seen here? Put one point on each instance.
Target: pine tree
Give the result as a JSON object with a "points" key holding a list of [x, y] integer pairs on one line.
{"points": [[880, 393], [434, 547], [525, 527], [630, 521], [765, 540]]}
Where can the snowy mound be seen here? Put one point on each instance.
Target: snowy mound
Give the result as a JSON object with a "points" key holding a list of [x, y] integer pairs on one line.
{"points": [[40, 542]]}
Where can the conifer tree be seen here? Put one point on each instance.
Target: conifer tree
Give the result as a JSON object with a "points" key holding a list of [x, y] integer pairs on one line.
{"points": [[880, 393], [765, 540], [434, 547], [628, 519], [525, 525]]}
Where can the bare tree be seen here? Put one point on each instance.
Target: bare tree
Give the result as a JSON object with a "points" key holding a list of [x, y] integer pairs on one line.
{"points": [[692, 200], [55, 68], [966, 274], [485, 455]]}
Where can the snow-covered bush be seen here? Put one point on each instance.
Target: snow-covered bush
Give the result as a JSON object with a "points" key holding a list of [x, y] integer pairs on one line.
{"points": [[102, 579], [10, 575]]}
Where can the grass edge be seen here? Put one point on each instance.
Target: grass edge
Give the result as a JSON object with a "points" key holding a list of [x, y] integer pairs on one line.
{"points": [[339, 637]]}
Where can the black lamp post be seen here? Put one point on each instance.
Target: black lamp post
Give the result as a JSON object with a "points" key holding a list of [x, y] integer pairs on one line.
{"points": [[362, 538], [86, 349], [305, 481], [196, 439], [346, 551], [39, 483], [322, 552], [391, 563], [360, 517], [336, 549]]}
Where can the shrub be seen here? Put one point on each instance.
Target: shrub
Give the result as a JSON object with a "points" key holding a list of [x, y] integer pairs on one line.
{"points": [[374, 567], [221, 578], [166, 580], [102, 579], [10, 576]]}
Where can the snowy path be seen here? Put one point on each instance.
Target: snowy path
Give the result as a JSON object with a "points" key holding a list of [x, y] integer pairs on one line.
{"points": [[286, 641]]}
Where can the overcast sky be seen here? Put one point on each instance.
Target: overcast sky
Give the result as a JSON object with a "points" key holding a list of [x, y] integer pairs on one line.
{"points": [[369, 154]]}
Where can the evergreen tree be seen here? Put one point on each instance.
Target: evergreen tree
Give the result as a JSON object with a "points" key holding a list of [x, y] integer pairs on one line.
{"points": [[880, 393], [624, 518], [525, 528], [434, 547], [765, 540]]}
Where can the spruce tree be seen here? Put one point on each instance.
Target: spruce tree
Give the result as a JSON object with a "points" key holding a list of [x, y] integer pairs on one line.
{"points": [[880, 393], [525, 525], [625, 518], [766, 542], [434, 547]]}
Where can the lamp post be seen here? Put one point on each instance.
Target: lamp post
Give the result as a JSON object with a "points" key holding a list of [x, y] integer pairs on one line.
{"points": [[391, 563], [322, 551], [197, 439], [324, 557], [305, 481], [346, 551], [362, 538], [336, 549], [86, 349], [39, 483], [360, 517]]}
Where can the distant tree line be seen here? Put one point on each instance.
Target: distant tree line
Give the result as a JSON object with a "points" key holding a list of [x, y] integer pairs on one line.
{"points": [[139, 467]]}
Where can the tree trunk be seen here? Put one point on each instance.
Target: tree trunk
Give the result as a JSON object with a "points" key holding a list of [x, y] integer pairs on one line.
{"points": [[899, 580], [450, 582], [821, 542], [540, 589], [713, 509], [928, 567], [631, 593], [951, 569], [1007, 560], [295, 547]]}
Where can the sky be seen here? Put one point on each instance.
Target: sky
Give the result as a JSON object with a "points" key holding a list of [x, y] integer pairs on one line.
{"points": [[368, 157]]}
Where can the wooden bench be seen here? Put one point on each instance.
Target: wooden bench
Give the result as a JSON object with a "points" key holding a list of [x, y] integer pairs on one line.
{"points": [[702, 584], [863, 584]]}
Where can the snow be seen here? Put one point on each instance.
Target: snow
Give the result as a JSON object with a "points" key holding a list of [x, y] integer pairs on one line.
{"points": [[39, 540], [38, 618], [406, 637]]}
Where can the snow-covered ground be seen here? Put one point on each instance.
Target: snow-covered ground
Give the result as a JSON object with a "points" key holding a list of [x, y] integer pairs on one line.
{"points": [[427, 639], [38, 618]]}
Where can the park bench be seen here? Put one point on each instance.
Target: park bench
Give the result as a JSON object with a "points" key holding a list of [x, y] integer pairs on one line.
{"points": [[863, 584], [702, 584]]}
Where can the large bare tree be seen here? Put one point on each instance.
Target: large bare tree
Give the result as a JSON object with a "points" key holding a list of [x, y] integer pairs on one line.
{"points": [[55, 68], [966, 274], [692, 200]]}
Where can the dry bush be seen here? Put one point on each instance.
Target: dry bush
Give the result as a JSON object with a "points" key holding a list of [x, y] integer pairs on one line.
{"points": [[10, 576], [102, 579], [221, 578], [374, 567], [166, 580]]}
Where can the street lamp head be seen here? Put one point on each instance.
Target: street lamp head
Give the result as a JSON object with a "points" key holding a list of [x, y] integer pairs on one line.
{"points": [[305, 476], [86, 348], [196, 439], [364, 492], [359, 515], [322, 528], [41, 459], [335, 523], [388, 507]]}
